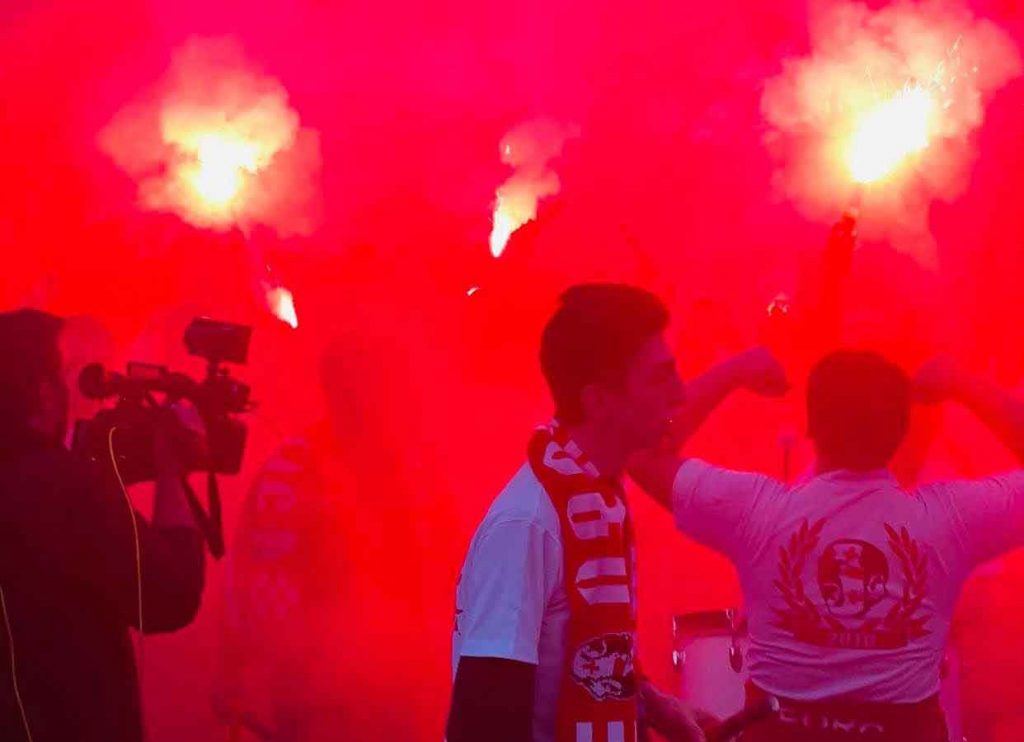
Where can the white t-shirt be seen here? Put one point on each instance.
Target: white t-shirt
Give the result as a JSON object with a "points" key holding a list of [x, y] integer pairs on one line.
{"points": [[849, 582], [511, 601]]}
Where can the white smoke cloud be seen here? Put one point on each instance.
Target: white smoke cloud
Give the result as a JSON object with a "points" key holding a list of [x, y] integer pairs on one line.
{"points": [[216, 142], [860, 59]]}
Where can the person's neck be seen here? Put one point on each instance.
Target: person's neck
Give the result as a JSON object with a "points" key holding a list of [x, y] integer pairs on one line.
{"points": [[823, 466], [606, 453]]}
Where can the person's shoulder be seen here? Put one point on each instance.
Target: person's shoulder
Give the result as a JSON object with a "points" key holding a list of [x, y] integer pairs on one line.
{"points": [[695, 472], [525, 502], [1012, 481], [291, 457], [295, 456], [275, 490]]}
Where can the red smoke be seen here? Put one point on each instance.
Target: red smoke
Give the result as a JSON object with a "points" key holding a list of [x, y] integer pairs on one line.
{"points": [[668, 184]]}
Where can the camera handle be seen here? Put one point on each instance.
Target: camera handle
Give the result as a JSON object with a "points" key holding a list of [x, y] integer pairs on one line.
{"points": [[210, 521]]}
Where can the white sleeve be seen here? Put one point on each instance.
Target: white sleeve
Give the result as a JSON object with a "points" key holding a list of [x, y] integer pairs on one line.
{"points": [[719, 507], [511, 573], [987, 515]]}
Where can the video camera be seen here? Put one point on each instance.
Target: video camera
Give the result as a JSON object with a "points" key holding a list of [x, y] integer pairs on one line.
{"points": [[127, 431]]}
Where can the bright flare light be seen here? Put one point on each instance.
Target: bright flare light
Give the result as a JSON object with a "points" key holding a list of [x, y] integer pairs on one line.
{"points": [[282, 305], [888, 135], [216, 141], [220, 157], [221, 165], [516, 204], [505, 223]]}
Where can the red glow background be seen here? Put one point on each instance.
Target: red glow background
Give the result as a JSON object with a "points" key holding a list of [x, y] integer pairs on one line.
{"points": [[668, 186]]}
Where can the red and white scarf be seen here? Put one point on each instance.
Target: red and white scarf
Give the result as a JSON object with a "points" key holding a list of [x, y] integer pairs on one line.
{"points": [[598, 698]]}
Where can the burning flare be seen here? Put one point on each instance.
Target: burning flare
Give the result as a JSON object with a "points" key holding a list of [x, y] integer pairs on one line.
{"points": [[221, 164], [282, 305], [529, 148], [515, 205], [886, 136], [503, 225]]}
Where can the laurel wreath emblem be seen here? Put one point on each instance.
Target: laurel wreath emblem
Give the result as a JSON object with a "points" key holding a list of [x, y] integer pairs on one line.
{"points": [[801, 615], [914, 564]]}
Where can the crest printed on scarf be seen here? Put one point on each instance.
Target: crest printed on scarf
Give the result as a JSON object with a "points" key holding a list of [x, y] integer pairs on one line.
{"points": [[604, 666]]}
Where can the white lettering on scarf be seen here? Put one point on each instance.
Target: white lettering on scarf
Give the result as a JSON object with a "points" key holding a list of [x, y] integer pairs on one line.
{"points": [[614, 587], [556, 458], [590, 516], [616, 731]]}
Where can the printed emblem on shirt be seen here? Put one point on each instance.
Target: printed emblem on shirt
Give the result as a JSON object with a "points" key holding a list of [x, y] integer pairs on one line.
{"points": [[604, 666], [859, 600]]}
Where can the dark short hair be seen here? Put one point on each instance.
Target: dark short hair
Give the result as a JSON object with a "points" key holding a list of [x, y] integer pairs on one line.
{"points": [[858, 409], [593, 334], [30, 353]]}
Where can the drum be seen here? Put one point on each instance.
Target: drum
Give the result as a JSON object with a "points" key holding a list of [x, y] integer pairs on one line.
{"points": [[709, 654]]}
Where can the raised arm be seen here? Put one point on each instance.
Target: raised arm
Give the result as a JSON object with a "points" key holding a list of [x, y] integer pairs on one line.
{"points": [[942, 379], [756, 370]]}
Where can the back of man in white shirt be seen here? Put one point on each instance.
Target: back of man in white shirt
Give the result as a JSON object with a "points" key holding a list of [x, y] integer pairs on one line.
{"points": [[850, 582]]}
